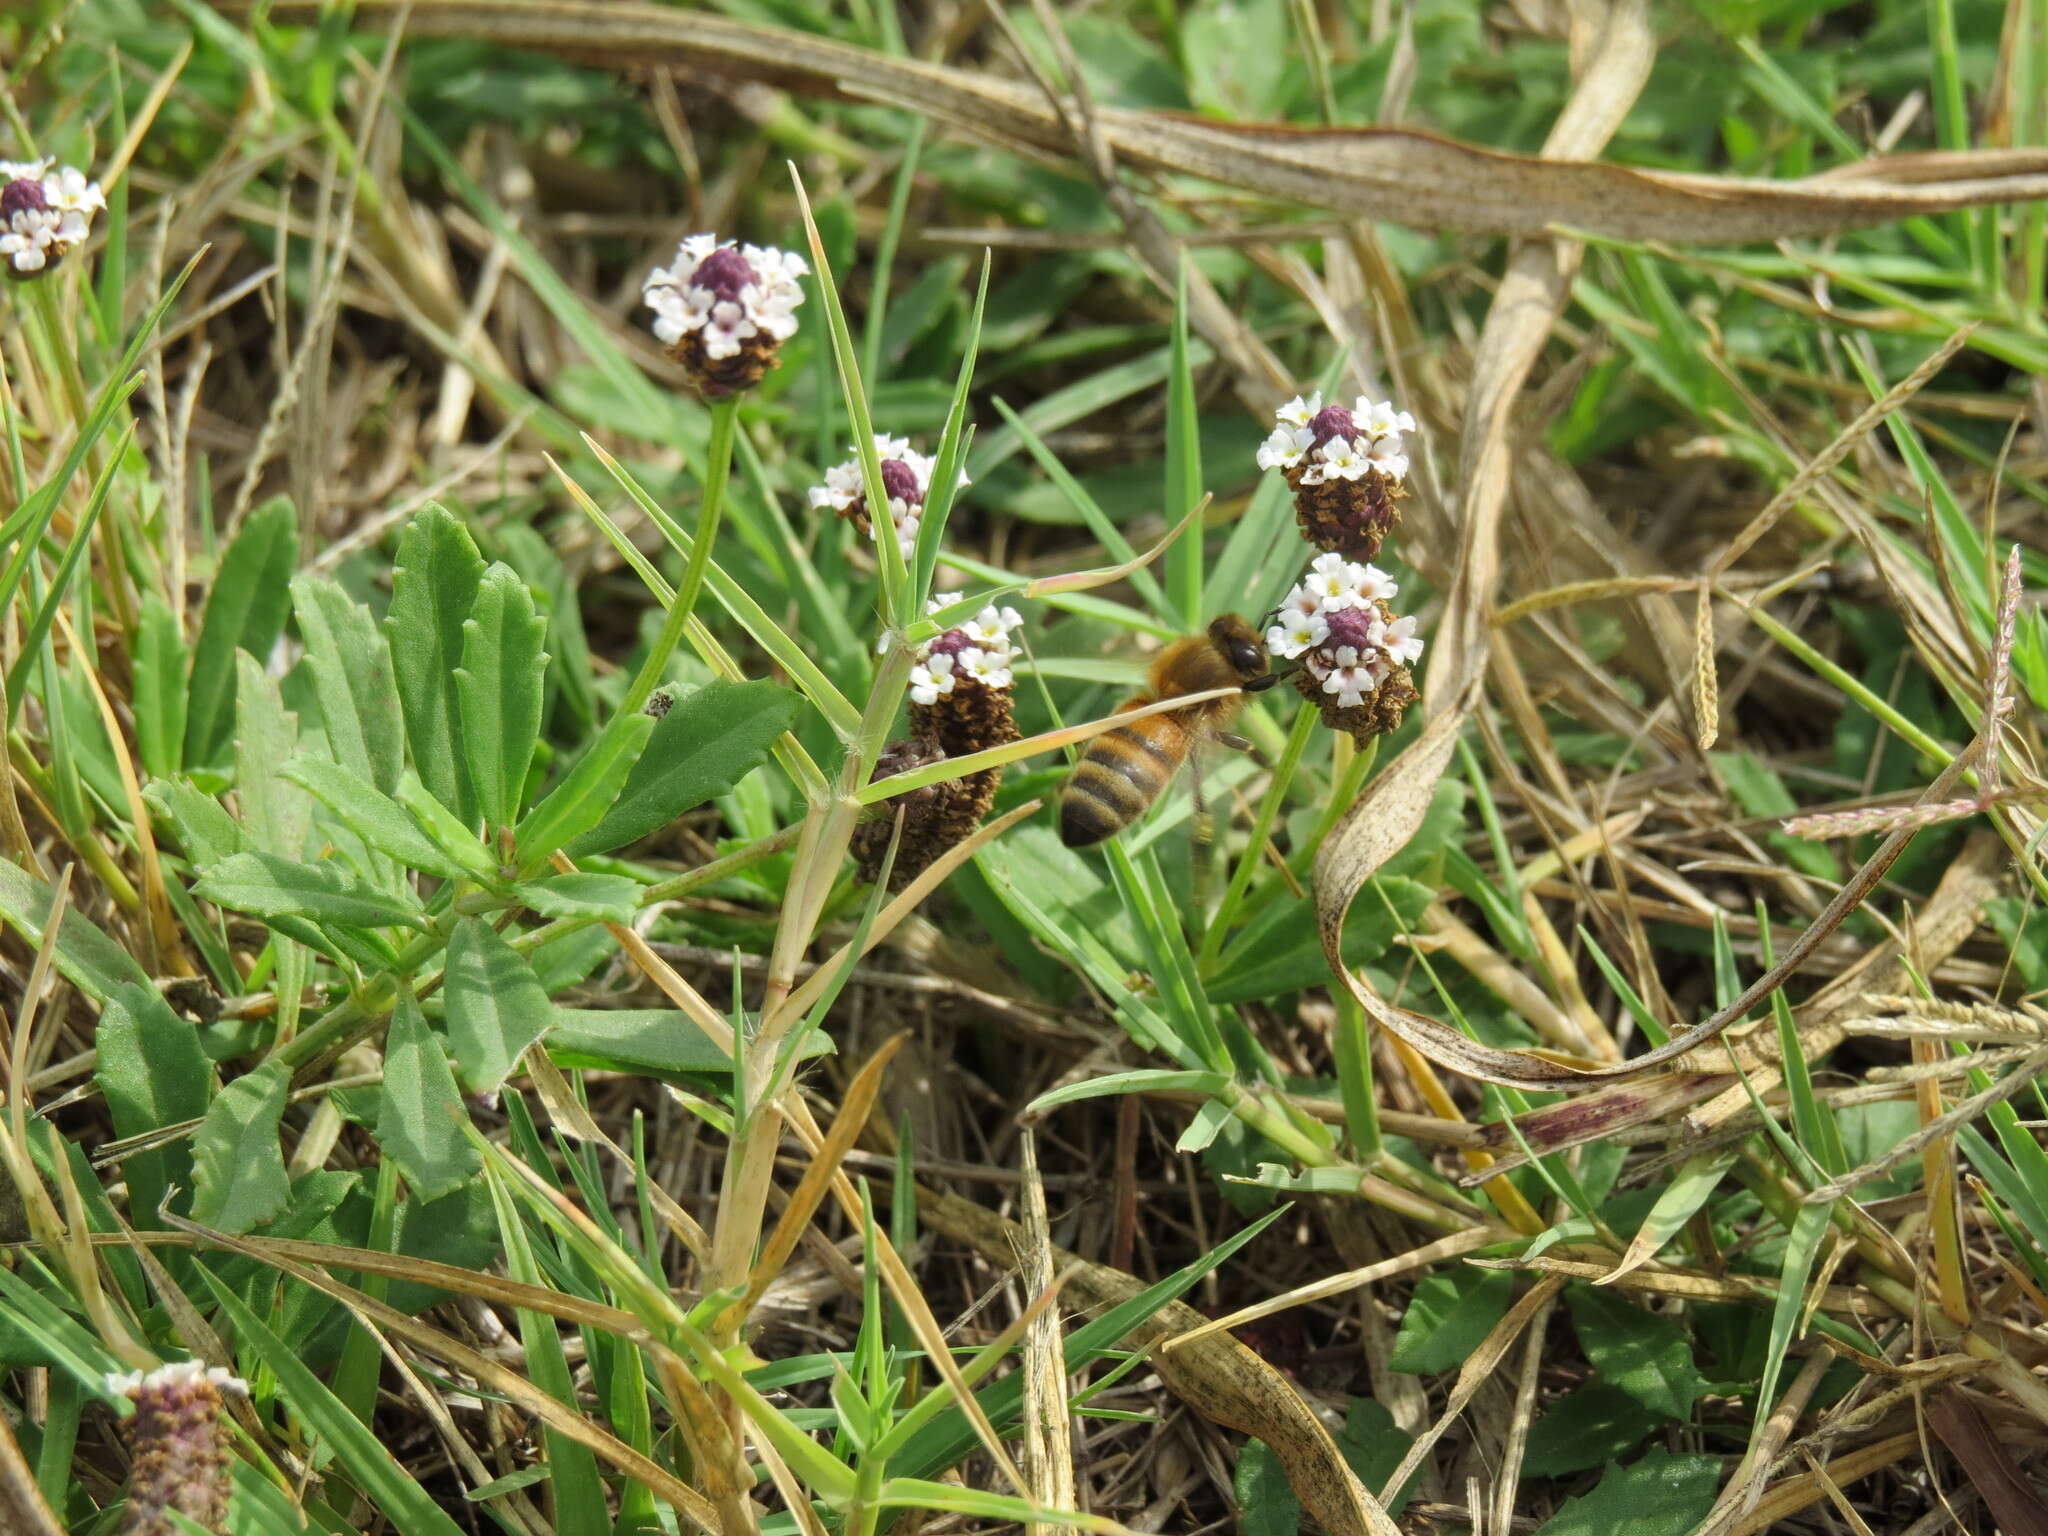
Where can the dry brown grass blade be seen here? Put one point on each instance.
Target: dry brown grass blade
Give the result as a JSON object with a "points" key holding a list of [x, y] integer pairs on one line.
{"points": [[2015, 1503], [23, 1511], [1219, 1378], [1400, 174], [817, 1180], [1048, 1416], [1478, 1367], [486, 1371]]}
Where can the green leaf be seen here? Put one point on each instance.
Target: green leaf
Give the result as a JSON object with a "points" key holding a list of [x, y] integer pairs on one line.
{"points": [[160, 694], [245, 611], [703, 746], [238, 1173], [613, 898], [454, 839], [528, 553], [496, 1006], [86, 957], [1448, 1316], [419, 1111], [433, 589], [408, 1506], [1647, 1356], [1266, 1502], [152, 1074], [1373, 1445], [499, 685], [580, 801], [373, 816], [1588, 1428], [205, 830], [268, 886], [276, 816], [1661, 1495], [1279, 951], [655, 1042], [352, 676]]}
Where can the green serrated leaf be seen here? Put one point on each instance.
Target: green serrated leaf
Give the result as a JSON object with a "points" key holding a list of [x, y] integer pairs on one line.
{"points": [[238, 1174], [86, 957], [1448, 1316], [160, 691], [419, 1110], [496, 1006], [152, 1074], [613, 898], [373, 816], [268, 886], [499, 686], [245, 611], [1592, 1427], [702, 747], [433, 590], [1266, 1501], [351, 667], [1647, 1356], [454, 839], [580, 801], [656, 1042], [1661, 1495], [276, 816], [204, 829]]}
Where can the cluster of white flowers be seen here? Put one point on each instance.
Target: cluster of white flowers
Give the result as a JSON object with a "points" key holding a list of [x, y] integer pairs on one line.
{"points": [[728, 293], [43, 212], [1330, 443], [177, 1374], [906, 476], [979, 650], [1337, 620]]}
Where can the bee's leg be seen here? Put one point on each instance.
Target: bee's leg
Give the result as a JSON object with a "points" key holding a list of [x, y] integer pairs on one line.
{"points": [[1206, 851], [1235, 742]]}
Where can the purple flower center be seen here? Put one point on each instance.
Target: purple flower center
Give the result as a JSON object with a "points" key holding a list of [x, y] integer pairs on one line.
{"points": [[725, 272], [1350, 626], [952, 643], [1331, 421], [24, 195], [900, 481]]}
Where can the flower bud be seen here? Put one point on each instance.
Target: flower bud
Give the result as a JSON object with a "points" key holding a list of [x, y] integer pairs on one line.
{"points": [[43, 214], [179, 1446], [906, 478], [961, 688], [724, 311], [1355, 652], [1346, 469]]}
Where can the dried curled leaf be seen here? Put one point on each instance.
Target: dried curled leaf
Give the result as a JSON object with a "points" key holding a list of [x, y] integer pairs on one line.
{"points": [[1400, 174]]}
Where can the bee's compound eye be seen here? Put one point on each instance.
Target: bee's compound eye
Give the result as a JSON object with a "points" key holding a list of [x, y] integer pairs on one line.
{"points": [[1247, 657]]}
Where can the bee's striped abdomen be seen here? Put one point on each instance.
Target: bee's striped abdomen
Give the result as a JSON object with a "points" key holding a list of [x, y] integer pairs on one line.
{"points": [[1123, 773]]}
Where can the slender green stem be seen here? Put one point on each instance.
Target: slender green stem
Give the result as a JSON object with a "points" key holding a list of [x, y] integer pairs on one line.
{"points": [[1269, 811], [717, 466]]}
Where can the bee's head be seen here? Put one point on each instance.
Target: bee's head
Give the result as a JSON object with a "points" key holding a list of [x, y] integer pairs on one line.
{"points": [[1241, 647]]}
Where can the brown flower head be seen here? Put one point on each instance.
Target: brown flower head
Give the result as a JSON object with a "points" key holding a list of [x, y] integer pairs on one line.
{"points": [[906, 477], [724, 311], [1355, 652], [1345, 468], [960, 702], [179, 1446]]}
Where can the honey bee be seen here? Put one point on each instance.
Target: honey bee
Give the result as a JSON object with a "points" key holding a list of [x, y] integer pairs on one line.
{"points": [[1127, 767]]}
